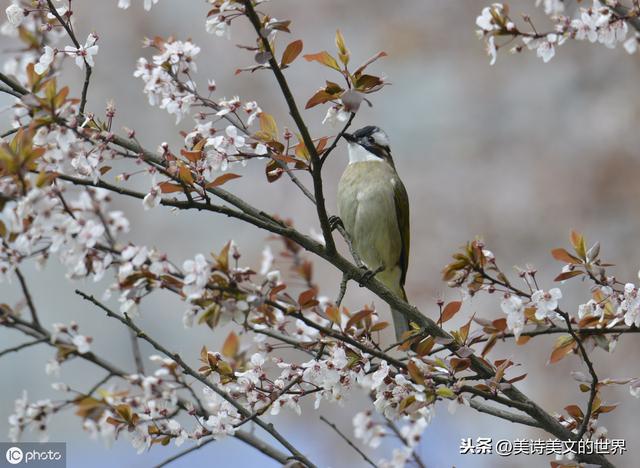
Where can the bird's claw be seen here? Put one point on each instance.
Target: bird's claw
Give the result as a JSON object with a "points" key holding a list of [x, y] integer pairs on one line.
{"points": [[368, 274], [335, 222]]}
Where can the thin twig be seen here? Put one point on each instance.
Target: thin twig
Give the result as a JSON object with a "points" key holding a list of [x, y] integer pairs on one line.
{"points": [[29, 299], [137, 355], [185, 452], [87, 67], [594, 377], [336, 140], [348, 441], [22, 346], [397, 432], [10, 132], [268, 427], [43, 334], [316, 167]]}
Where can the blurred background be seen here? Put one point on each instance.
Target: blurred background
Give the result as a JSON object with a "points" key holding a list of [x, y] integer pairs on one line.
{"points": [[519, 153]]}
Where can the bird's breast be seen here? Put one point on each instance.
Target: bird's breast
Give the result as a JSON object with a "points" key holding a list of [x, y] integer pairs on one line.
{"points": [[366, 204]]}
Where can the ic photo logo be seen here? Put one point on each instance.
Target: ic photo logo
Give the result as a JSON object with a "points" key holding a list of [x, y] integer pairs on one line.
{"points": [[14, 455], [35, 455]]}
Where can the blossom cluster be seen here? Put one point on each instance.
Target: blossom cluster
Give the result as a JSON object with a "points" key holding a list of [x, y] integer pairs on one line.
{"points": [[598, 23], [174, 61]]}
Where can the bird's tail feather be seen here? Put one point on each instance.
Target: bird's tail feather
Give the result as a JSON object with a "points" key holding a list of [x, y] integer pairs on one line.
{"points": [[400, 322]]}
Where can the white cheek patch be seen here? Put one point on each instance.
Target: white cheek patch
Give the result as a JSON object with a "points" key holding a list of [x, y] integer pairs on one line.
{"points": [[381, 138]]}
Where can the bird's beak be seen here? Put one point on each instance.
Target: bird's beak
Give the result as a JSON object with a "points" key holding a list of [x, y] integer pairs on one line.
{"points": [[349, 137]]}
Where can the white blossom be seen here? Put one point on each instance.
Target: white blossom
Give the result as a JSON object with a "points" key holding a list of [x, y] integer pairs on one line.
{"points": [[15, 14], [82, 343], [546, 303], [630, 305], [85, 53], [219, 26], [486, 21], [631, 44], [365, 429], [45, 60], [336, 115], [197, 274], [514, 308], [551, 7], [153, 198]]}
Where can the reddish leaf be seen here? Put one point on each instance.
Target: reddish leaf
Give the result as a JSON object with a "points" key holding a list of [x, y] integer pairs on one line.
{"points": [[567, 275], [324, 58], [564, 345], [458, 364], [358, 317], [564, 256], [273, 171], [322, 142], [291, 53], [333, 313], [369, 62], [307, 297], [366, 83], [450, 310], [231, 345], [379, 326], [320, 97], [489, 346], [517, 379], [579, 244], [192, 156], [500, 324], [169, 187], [574, 411], [223, 179]]}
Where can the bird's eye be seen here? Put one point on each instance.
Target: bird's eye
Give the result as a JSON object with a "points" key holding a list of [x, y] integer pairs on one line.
{"points": [[370, 139]]}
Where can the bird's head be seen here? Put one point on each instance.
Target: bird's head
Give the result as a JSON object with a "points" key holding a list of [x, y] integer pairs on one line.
{"points": [[370, 143]]}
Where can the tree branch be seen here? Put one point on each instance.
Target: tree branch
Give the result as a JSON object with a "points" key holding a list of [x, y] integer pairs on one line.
{"points": [[268, 427], [316, 167], [22, 346], [44, 336], [502, 414], [29, 299], [348, 441], [87, 67]]}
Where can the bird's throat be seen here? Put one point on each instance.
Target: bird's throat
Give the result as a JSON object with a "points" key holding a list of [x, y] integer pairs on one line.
{"points": [[359, 154]]}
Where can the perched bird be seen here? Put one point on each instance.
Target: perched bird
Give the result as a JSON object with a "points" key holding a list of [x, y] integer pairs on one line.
{"points": [[374, 210]]}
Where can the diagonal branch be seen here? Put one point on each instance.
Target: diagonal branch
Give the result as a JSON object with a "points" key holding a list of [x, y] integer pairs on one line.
{"points": [[87, 67], [27, 296], [348, 441], [268, 427], [44, 336]]}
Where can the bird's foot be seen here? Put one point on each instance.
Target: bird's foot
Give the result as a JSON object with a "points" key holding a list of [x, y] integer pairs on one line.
{"points": [[335, 222], [368, 274]]}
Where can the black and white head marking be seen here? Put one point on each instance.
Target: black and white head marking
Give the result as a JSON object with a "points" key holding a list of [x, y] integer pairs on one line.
{"points": [[369, 143]]}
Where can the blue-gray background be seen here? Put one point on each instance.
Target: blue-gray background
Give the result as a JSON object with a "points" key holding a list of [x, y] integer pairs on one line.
{"points": [[519, 153]]}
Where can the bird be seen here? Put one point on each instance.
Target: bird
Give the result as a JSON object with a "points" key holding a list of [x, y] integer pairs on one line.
{"points": [[373, 207]]}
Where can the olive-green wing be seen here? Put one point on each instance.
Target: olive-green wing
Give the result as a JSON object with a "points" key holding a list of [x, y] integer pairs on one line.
{"points": [[402, 214]]}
